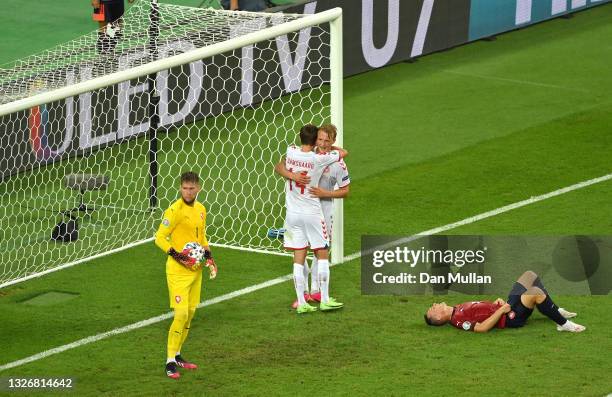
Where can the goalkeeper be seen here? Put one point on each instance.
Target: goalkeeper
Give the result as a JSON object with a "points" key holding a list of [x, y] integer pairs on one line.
{"points": [[183, 222]]}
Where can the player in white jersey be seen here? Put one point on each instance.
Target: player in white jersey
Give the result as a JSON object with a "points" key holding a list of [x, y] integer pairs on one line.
{"points": [[305, 225], [335, 174]]}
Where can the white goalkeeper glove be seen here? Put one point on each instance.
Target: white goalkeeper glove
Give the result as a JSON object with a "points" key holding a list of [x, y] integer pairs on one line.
{"points": [[212, 267]]}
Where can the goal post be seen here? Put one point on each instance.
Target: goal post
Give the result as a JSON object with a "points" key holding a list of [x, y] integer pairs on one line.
{"points": [[177, 60], [337, 117], [219, 92]]}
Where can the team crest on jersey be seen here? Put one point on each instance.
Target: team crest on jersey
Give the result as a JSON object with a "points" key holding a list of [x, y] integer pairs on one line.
{"points": [[511, 315], [177, 299], [202, 215], [466, 325], [166, 222]]}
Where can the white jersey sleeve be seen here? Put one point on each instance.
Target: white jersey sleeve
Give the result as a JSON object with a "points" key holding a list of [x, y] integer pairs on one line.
{"points": [[322, 160], [339, 173]]}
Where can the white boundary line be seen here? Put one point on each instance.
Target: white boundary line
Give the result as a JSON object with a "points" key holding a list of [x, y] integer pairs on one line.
{"points": [[287, 277], [70, 264], [123, 248], [523, 82], [140, 324], [487, 214]]}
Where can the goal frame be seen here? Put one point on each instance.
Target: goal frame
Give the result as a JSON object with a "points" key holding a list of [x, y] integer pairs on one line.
{"points": [[332, 16]]}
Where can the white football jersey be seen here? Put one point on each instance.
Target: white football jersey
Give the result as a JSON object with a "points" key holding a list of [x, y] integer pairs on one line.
{"points": [[298, 199], [334, 174]]}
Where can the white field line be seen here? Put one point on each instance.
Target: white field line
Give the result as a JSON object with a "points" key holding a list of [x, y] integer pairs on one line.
{"points": [[287, 277], [140, 324], [484, 215], [515, 81], [125, 247]]}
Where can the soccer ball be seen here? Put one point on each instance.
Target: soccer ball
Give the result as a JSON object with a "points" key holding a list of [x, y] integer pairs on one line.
{"points": [[195, 251]]}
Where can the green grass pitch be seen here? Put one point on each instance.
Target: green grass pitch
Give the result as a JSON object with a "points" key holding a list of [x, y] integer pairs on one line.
{"points": [[455, 134]]}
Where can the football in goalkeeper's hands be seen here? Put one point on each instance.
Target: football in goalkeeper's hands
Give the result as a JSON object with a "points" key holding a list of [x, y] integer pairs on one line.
{"points": [[195, 251]]}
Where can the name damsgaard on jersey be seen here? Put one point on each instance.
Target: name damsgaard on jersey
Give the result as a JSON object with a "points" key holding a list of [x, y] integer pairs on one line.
{"points": [[302, 164]]}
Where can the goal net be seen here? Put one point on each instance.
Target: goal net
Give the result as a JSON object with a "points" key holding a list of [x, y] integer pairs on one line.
{"points": [[94, 133]]}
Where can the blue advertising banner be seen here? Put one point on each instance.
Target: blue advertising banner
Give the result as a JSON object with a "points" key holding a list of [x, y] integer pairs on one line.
{"points": [[490, 17]]}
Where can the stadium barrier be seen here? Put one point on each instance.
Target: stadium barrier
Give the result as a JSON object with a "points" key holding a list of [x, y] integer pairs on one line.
{"points": [[381, 33]]}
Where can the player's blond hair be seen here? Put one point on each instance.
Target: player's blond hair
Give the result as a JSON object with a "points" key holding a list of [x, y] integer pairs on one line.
{"points": [[331, 131]]}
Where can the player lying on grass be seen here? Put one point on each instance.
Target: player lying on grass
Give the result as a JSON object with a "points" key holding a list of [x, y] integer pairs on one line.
{"points": [[335, 174], [527, 292]]}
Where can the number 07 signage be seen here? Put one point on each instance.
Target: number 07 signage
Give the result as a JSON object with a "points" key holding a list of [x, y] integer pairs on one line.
{"points": [[383, 32]]}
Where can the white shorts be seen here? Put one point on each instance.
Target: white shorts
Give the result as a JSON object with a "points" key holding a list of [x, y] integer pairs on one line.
{"points": [[305, 231]]}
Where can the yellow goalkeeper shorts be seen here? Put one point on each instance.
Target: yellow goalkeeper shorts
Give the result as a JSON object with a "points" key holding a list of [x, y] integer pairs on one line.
{"points": [[184, 290]]}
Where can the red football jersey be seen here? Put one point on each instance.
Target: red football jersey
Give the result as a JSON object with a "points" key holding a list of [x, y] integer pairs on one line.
{"points": [[466, 315]]}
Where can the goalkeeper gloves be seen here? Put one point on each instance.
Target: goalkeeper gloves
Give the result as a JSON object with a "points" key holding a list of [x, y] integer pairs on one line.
{"points": [[210, 264], [212, 267], [182, 257], [192, 264]]}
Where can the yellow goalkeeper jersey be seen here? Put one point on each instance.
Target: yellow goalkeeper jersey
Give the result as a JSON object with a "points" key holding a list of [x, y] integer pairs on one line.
{"points": [[181, 224]]}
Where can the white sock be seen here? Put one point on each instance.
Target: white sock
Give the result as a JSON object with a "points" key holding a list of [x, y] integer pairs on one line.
{"points": [[170, 360], [323, 275], [299, 282], [306, 273], [314, 280], [177, 354]]}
